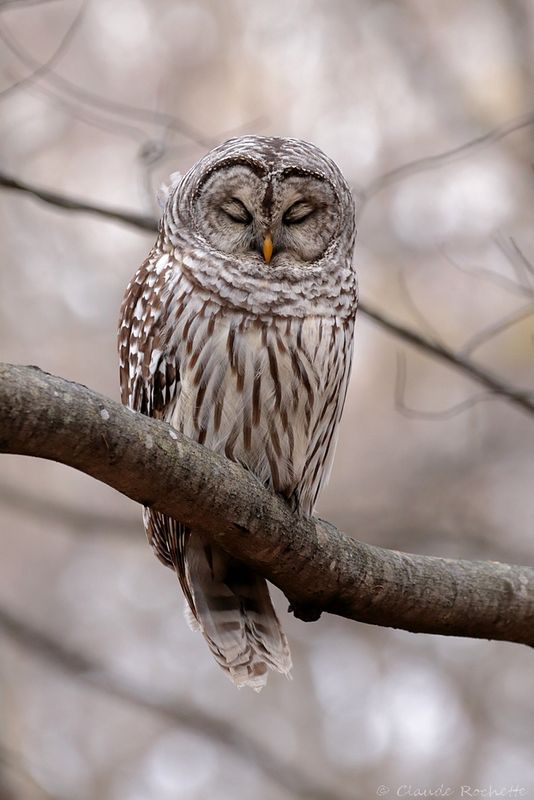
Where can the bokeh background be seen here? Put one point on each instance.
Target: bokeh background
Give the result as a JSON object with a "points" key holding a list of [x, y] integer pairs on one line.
{"points": [[104, 691]]}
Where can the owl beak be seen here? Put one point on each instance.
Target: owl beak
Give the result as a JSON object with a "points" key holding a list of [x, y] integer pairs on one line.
{"points": [[267, 248]]}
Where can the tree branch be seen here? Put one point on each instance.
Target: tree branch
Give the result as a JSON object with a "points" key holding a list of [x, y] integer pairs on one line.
{"points": [[95, 100], [317, 567], [53, 60], [520, 398], [141, 221], [447, 156]]}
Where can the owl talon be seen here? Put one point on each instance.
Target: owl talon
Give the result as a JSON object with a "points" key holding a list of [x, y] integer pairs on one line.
{"points": [[304, 612]]}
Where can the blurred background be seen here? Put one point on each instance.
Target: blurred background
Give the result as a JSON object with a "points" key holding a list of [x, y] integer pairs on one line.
{"points": [[104, 691]]}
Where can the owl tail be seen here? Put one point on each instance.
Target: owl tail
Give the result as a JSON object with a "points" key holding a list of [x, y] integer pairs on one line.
{"points": [[231, 607]]}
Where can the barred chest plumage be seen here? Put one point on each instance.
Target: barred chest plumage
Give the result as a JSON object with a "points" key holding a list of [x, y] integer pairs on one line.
{"points": [[264, 391]]}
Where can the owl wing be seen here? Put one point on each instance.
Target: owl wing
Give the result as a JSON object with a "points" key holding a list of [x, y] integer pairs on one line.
{"points": [[150, 383], [149, 371]]}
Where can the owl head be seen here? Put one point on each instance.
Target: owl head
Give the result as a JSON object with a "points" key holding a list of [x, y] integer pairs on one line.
{"points": [[272, 209]]}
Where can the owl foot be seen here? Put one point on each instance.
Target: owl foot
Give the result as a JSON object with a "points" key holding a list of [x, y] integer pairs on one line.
{"points": [[304, 612]]}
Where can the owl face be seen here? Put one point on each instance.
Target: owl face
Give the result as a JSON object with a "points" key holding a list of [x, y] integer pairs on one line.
{"points": [[266, 224], [274, 217]]}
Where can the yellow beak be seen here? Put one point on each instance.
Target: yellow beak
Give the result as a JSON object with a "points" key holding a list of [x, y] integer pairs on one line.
{"points": [[268, 248]]}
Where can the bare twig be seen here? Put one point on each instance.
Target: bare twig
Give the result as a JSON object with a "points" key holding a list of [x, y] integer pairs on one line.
{"points": [[447, 413], [489, 275], [527, 265], [94, 119], [316, 566], [223, 732], [440, 159], [16, 763], [53, 60], [522, 267], [97, 101], [141, 221], [43, 73], [522, 399], [23, 3], [421, 318], [491, 331]]}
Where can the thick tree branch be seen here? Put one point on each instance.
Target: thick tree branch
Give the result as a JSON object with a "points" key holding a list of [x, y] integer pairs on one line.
{"points": [[316, 566], [518, 397]]}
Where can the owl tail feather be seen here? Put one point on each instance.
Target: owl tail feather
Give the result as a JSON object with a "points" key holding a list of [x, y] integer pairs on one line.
{"points": [[231, 607]]}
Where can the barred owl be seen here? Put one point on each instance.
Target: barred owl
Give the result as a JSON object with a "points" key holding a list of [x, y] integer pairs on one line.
{"points": [[237, 330]]}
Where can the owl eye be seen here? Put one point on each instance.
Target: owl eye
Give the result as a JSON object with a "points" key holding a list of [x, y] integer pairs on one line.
{"points": [[237, 211], [298, 212]]}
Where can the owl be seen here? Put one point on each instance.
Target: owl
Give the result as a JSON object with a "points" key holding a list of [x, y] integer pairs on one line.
{"points": [[237, 331]]}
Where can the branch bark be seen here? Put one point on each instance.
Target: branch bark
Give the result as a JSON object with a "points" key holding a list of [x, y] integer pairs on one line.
{"points": [[316, 566]]}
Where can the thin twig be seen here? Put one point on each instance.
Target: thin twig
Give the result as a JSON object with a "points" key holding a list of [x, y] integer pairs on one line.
{"points": [[23, 3], [454, 153], [489, 275], [92, 118], [522, 267], [53, 60], [141, 221], [424, 323], [15, 762], [491, 331], [97, 101], [528, 265], [153, 117], [414, 413], [522, 398]]}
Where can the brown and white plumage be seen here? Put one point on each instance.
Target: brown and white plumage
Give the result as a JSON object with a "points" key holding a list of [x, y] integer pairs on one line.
{"points": [[237, 330]]}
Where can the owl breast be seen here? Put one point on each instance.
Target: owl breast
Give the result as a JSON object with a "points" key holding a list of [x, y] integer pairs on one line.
{"points": [[267, 393]]}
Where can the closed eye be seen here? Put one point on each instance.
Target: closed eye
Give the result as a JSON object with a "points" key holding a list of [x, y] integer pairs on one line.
{"points": [[298, 212], [237, 211]]}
